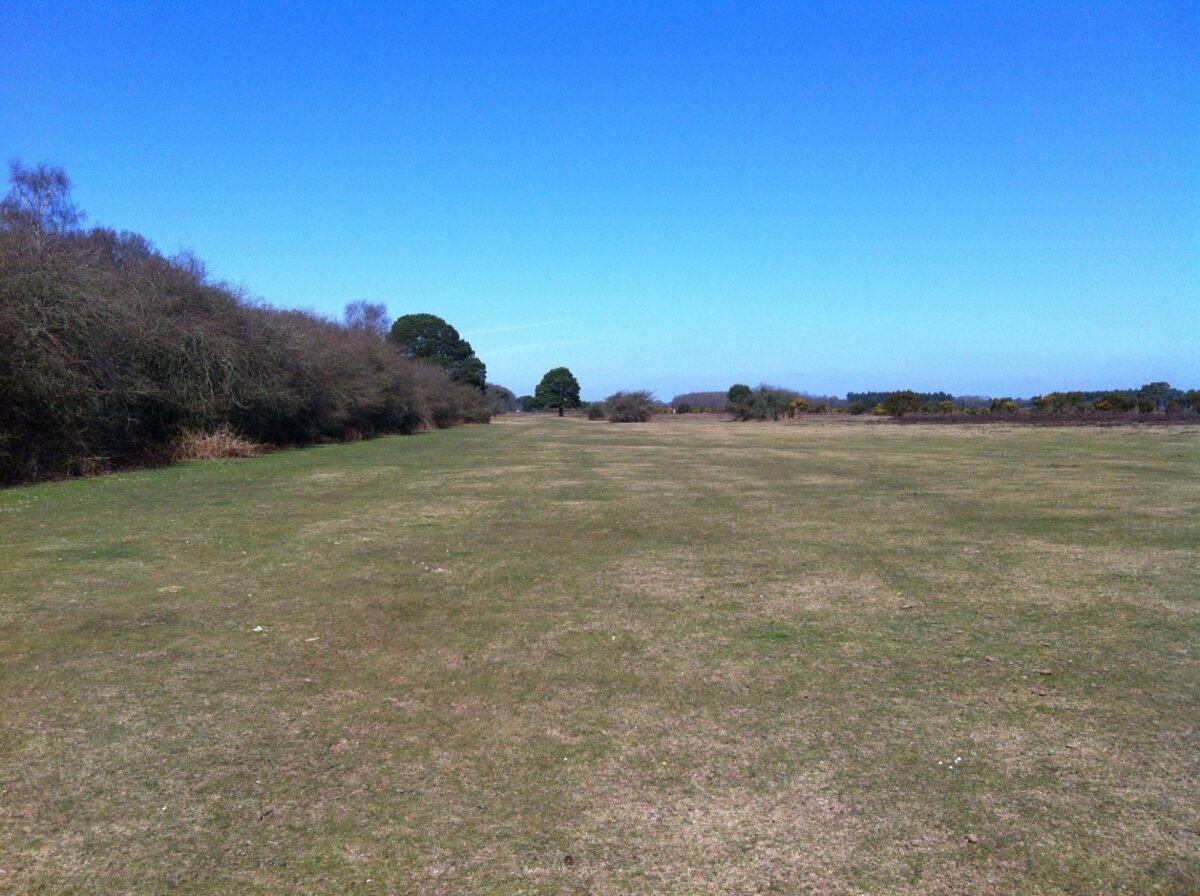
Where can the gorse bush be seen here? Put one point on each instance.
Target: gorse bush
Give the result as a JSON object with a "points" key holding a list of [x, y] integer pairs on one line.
{"points": [[110, 353]]}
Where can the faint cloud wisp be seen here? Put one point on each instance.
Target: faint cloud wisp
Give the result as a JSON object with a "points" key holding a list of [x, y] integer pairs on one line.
{"points": [[514, 327]]}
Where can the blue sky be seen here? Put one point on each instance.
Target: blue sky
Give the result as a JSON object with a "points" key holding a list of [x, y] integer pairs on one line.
{"points": [[995, 198]]}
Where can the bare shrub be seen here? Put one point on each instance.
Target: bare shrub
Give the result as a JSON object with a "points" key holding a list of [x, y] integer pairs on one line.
{"points": [[629, 407], [222, 442]]}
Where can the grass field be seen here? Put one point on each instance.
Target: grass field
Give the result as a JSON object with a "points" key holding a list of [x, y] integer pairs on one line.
{"points": [[552, 656]]}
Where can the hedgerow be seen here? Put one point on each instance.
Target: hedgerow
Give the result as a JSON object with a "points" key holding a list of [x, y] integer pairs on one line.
{"points": [[112, 353]]}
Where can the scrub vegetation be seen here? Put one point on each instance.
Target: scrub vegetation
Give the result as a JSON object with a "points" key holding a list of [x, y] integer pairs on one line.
{"points": [[546, 656], [113, 355]]}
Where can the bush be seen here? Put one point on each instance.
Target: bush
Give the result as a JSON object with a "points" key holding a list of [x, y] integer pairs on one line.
{"points": [[629, 407], [763, 403], [222, 442], [1115, 401], [595, 410], [500, 400], [905, 401]]}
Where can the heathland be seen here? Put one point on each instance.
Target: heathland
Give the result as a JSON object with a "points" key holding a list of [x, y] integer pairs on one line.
{"points": [[561, 656]]}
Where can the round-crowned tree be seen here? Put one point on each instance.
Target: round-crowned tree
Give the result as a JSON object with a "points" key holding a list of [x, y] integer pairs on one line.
{"points": [[426, 337], [558, 389]]}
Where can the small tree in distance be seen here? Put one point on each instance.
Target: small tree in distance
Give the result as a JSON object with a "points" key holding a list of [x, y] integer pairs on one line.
{"points": [[558, 389], [1115, 401], [1161, 393], [367, 317]]}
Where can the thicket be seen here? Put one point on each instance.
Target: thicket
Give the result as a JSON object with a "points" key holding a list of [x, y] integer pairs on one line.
{"points": [[629, 407], [763, 403], [111, 354], [500, 400]]}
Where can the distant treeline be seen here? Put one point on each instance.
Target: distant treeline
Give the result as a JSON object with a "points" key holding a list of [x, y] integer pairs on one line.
{"points": [[1147, 399], [767, 402], [714, 402], [699, 401], [111, 353], [871, 399], [1161, 393]]}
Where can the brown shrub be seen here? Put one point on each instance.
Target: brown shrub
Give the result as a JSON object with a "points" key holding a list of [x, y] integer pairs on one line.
{"points": [[221, 442]]}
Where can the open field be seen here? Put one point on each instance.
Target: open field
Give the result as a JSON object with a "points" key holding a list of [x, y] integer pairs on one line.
{"points": [[552, 656]]}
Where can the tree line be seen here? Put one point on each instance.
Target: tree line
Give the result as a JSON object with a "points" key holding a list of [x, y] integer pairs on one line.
{"points": [[766, 402], [559, 390], [112, 353], [1152, 398]]}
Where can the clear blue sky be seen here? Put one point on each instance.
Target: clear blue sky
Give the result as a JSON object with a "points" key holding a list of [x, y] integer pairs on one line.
{"points": [[996, 198]]}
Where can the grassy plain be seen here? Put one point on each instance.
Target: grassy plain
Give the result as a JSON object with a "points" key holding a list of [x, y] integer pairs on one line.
{"points": [[553, 656]]}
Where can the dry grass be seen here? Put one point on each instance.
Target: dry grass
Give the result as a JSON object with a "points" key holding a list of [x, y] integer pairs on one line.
{"points": [[702, 658], [221, 443]]}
